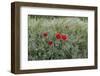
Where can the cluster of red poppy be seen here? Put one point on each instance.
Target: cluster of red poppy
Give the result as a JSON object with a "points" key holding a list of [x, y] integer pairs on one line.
{"points": [[58, 36], [61, 36]]}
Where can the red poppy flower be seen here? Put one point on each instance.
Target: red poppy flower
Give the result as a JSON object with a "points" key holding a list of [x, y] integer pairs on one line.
{"points": [[64, 37], [45, 34], [58, 35], [50, 43]]}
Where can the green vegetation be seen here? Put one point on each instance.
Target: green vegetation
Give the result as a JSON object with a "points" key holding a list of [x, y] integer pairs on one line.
{"points": [[55, 37]]}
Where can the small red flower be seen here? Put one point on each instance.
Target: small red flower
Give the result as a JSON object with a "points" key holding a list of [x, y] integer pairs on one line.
{"points": [[45, 34], [58, 35], [64, 37], [50, 43]]}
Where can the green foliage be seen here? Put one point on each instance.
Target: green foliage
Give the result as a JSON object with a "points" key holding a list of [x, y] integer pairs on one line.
{"points": [[74, 27]]}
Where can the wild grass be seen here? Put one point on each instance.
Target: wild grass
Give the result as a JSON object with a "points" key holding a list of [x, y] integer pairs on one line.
{"points": [[43, 29]]}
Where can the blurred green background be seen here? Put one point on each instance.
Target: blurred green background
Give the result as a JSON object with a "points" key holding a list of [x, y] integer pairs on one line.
{"points": [[76, 28]]}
